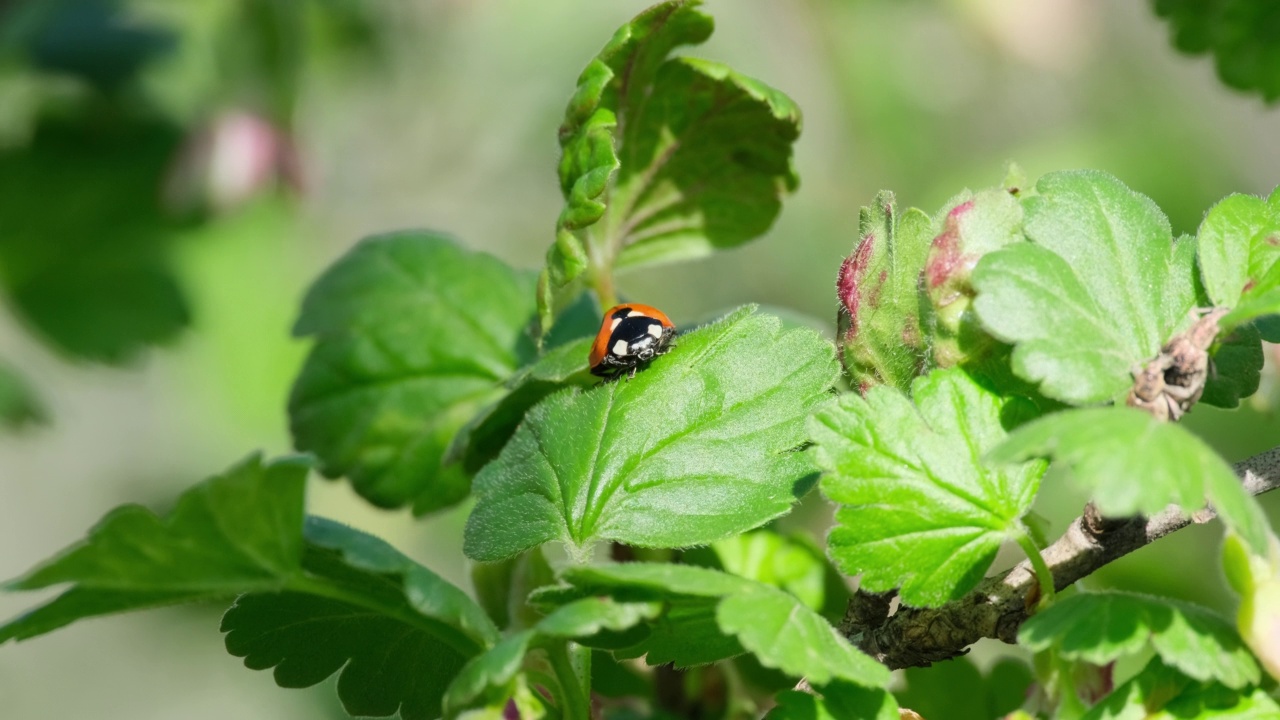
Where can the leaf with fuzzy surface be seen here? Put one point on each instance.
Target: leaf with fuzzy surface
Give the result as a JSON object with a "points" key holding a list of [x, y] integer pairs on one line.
{"points": [[1105, 626], [664, 158], [1239, 246], [919, 508], [413, 336], [698, 446], [1098, 290], [879, 325], [236, 532], [397, 632], [1131, 463]]}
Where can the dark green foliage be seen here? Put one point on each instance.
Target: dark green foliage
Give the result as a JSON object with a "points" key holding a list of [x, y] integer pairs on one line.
{"points": [[1242, 35], [94, 278], [413, 336]]}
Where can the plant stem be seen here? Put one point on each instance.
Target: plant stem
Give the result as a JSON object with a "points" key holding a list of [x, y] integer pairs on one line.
{"points": [[1043, 574], [572, 666]]}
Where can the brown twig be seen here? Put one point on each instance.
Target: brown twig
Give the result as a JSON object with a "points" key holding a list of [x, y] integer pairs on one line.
{"points": [[917, 637]]}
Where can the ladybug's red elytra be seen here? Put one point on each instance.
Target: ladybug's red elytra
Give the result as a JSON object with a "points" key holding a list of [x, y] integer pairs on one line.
{"points": [[631, 334]]}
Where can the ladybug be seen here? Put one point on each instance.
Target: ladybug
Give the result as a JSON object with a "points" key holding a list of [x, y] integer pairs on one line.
{"points": [[631, 334]]}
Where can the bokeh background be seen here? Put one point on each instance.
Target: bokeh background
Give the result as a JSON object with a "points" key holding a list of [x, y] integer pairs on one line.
{"points": [[173, 174]]}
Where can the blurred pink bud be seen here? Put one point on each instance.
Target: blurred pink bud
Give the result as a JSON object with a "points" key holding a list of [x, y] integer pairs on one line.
{"points": [[233, 158]]}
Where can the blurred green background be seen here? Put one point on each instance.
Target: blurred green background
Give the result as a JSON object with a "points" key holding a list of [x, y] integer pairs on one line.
{"points": [[173, 174]]}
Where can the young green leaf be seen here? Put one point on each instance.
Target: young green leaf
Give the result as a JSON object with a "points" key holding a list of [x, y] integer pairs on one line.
{"points": [[19, 405], [1129, 463], [1160, 692], [710, 615], [878, 323], [236, 532], [1100, 288], [920, 508], [1238, 33], [489, 679], [413, 336], [837, 701], [1105, 626], [1239, 241], [972, 225], [698, 446], [664, 158], [398, 633]]}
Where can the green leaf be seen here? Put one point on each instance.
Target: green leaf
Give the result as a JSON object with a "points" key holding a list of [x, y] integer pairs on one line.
{"points": [[235, 532], [837, 701], [1105, 626], [710, 615], [85, 254], [1237, 368], [879, 326], [783, 634], [920, 508], [972, 225], [1160, 692], [1240, 34], [1100, 288], [646, 461], [665, 158], [483, 437], [1129, 463], [792, 563], [1239, 241], [958, 689], [414, 335], [490, 678], [398, 633], [19, 405]]}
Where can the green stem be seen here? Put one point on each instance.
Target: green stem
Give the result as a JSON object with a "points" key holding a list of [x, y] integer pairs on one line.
{"points": [[572, 666], [1043, 573]]}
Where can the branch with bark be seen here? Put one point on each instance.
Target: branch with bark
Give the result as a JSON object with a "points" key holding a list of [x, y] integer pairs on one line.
{"points": [[917, 637]]}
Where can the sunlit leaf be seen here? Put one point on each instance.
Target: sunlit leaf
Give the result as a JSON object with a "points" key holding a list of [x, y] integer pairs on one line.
{"points": [[1129, 463], [1097, 292], [665, 158], [919, 507], [698, 446], [879, 325]]}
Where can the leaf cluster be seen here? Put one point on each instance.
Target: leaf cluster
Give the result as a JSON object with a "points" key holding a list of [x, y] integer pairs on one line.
{"points": [[1033, 324]]}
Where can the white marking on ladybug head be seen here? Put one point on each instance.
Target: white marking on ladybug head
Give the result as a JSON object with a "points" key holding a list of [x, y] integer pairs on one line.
{"points": [[655, 330], [621, 348], [635, 313], [614, 325]]}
